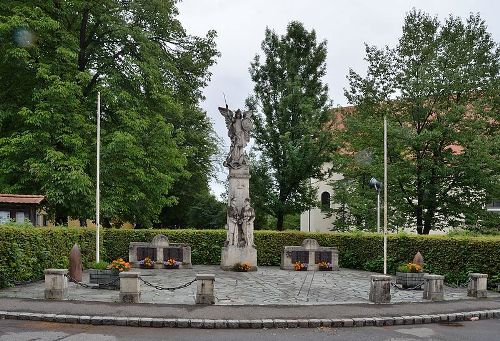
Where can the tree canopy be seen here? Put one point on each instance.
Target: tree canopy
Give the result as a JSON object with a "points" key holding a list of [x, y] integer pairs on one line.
{"points": [[439, 89], [291, 135], [55, 56]]}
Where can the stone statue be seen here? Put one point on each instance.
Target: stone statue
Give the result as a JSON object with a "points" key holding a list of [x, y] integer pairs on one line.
{"points": [[238, 247], [233, 222], [247, 216], [239, 124]]}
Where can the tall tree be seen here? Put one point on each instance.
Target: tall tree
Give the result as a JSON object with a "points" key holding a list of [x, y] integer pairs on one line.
{"points": [[55, 57], [439, 89], [291, 133]]}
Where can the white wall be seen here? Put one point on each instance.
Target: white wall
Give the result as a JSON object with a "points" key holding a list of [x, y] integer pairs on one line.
{"points": [[314, 220]]}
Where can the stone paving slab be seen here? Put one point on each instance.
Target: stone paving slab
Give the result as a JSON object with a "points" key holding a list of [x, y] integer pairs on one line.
{"points": [[267, 286]]}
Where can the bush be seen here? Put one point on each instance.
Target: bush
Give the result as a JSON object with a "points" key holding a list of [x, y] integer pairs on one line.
{"points": [[26, 252]]}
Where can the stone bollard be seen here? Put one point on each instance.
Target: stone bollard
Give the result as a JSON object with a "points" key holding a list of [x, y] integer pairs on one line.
{"points": [[56, 284], [380, 288], [205, 290], [477, 285], [75, 264], [433, 287], [130, 289]]}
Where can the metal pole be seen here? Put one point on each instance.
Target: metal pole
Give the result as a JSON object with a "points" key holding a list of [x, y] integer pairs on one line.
{"points": [[309, 227], [97, 193], [385, 195], [378, 211]]}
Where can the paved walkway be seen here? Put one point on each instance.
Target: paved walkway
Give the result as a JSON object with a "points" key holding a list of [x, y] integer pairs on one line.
{"points": [[267, 286]]}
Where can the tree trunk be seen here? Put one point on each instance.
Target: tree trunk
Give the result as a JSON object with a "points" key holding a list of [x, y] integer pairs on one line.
{"points": [[61, 219], [279, 222]]}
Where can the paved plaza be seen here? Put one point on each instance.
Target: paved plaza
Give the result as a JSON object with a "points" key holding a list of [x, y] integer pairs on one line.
{"points": [[267, 286]]}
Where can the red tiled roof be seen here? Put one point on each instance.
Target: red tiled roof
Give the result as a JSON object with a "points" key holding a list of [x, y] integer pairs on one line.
{"points": [[21, 199]]}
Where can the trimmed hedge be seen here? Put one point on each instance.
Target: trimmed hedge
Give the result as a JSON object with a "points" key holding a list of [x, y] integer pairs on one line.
{"points": [[26, 252]]}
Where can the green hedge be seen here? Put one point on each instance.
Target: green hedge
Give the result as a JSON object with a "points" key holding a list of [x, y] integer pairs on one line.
{"points": [[25, 252]]}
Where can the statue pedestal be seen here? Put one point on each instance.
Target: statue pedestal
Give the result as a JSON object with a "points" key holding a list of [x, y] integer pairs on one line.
{"points": [[233, 254]]}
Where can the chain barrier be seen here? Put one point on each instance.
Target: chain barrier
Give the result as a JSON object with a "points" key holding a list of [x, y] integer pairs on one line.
{"points": [[21, 283], [106, 286], [159, 287], [416, 287]]}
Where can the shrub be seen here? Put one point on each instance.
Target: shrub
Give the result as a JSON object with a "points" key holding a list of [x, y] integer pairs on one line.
{"points": [[26, 252]]}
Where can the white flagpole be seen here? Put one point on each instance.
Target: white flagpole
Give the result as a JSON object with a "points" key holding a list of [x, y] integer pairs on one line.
{"points": [[385, 195], [97, 193]]}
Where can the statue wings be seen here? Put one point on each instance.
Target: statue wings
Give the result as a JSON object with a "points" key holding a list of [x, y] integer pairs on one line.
{"points": [[228, 116]]}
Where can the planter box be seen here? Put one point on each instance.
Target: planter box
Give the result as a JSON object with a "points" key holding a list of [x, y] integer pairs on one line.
{"points": [[105, 278], [171, 266], [410, 279]]}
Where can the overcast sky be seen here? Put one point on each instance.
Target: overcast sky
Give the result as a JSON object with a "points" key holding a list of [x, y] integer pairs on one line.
{"points": [[346, 25]]}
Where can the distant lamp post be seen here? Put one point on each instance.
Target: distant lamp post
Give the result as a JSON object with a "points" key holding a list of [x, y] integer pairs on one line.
{"points": [[378, 186]]}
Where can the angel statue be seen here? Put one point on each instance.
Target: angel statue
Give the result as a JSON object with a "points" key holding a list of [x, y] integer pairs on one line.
{"points": [[239, 124]]}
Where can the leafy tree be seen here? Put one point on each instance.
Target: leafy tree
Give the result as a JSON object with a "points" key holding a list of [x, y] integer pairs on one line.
{"points": [[56, 55], [439, 89], [291, 136]]}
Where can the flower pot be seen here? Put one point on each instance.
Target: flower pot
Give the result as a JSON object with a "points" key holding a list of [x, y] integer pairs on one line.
{"points": [[170, 266], [142, 266], [410, 279], [105, 278]]}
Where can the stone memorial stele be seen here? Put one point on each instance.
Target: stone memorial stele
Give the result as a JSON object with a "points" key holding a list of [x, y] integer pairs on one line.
{"points": [[239, 246], [75, 263]]}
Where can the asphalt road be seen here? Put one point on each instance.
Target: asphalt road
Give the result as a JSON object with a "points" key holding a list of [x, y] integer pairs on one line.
{"points": [[18, 330]]}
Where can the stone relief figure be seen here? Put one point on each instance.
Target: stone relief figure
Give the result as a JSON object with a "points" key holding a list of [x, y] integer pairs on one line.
{"points": [[239, 125], [247, 217], [233, 223]]}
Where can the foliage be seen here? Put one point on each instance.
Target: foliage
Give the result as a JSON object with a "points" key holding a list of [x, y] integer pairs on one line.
{"points": [[242, 267], [99, 265], [203, 211], [438, 89], [119, 265], [291, 111], [56, 56], [171, 263], [299, 266], [147, 262], [410, 267], [25, 253], [324, 265]]}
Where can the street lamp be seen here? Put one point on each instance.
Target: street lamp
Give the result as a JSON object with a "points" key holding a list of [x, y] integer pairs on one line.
{"points": [[378, 186]]}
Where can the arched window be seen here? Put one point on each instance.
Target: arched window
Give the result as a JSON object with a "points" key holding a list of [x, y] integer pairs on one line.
{"points": [[325, 201]]}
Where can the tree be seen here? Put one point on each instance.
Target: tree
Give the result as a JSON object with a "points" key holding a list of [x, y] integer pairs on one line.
{"points": [[291, 131], [57, 55], [438, 89]]}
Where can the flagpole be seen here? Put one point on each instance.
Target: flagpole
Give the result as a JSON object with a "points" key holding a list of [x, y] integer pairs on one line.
{"points": [[385, 194], [97, 193]]}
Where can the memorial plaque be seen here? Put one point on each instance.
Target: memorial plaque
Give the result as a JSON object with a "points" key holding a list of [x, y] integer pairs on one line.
{"points": [[173, 252], [143, 252], [300, 256], [320, 256]]}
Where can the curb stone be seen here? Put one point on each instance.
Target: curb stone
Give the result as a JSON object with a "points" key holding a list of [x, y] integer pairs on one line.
{"points": [[255, 324]]}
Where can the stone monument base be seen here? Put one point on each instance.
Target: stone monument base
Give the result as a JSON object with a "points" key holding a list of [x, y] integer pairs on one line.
{"points": [[232, 254]]}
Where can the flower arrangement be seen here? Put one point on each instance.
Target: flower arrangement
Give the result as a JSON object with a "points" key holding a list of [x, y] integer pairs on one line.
{"points": [[324, 266], [242, 267], [299, 266], [171, 263], [119, 265], [410, 267], [147, 263]]}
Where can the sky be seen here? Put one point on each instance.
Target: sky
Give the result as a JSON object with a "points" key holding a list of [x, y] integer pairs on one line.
{"points": [[345, 25]]}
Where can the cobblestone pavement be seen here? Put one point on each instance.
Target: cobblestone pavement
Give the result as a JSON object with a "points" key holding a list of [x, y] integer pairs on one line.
{"points": [[267, 286]]}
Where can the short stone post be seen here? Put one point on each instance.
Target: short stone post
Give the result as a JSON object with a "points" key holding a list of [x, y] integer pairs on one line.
{"points": [[380, 288], [75, 263], [433, 287], [205, 291], [477, 285], [130, 289], [56, 284]]}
